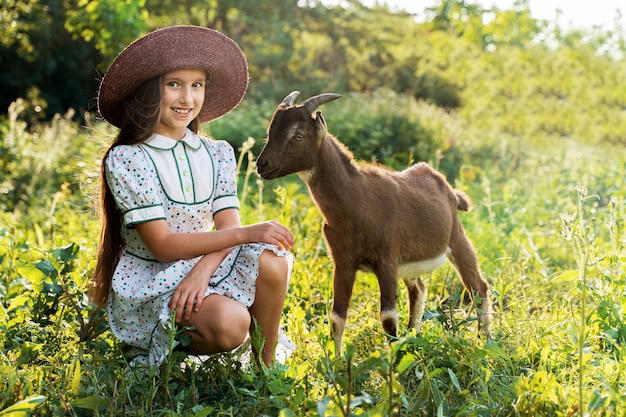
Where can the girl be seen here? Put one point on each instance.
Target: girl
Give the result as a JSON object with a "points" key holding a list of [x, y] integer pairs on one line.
{"points": [[171, 240]]}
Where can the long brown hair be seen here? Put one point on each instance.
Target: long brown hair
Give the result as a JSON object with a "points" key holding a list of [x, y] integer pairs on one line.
{"points": [[142, 111]]}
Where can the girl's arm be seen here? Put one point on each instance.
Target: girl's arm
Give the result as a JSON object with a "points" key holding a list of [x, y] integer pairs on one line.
{"points": [[189, 293], [167, 246]]}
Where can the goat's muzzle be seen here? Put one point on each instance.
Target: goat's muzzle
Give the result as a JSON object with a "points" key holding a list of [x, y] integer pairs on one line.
{"points": [[265, 170]]}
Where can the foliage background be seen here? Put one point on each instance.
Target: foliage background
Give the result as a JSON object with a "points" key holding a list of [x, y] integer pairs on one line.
{"points": [[528, 119]]}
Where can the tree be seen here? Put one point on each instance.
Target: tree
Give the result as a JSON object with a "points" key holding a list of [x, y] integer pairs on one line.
{"points": [[44, 62], [109, 24], [17, 20], [486, 27]]}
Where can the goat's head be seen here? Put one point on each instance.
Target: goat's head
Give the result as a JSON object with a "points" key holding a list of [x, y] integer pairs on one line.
{"points": [[294, 136]]}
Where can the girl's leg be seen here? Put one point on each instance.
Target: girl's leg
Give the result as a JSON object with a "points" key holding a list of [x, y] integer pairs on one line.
{"points": [[267, 309], [221, 325]]}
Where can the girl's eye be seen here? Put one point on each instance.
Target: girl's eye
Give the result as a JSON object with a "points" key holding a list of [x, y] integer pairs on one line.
{"points": [[172, 84], [198, 85]]}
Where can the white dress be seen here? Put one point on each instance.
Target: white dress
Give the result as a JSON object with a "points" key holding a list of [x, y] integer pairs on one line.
{"points": [[185, 183]]}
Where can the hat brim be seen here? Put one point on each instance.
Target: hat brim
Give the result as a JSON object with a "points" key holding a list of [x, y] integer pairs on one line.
{"points": [[174, 48]]}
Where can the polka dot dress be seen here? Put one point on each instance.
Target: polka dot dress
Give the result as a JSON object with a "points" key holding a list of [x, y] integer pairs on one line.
{"points": [[185, 183]]}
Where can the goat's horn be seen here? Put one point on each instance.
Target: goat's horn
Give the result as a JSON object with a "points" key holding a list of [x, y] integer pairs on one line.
{"points": [[290, 99], [314, 102]]}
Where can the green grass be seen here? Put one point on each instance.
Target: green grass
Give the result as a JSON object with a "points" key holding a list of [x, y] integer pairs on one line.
{"points": [[549, 228]]}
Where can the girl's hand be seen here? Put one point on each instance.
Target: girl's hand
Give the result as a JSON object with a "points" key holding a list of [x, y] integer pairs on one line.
{"points": [[270, 232], [189, 293]]}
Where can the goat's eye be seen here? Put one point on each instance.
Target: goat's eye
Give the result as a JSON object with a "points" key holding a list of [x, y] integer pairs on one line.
{"points": [[299, 137]]}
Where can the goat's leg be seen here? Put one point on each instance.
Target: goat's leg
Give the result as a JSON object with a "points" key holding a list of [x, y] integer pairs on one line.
{"points": [[343, 282], [463, 257], [417, 297], [388, 283]]}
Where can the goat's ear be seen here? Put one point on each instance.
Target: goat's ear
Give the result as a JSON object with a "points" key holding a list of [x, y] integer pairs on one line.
{"points": [[320, 122]]}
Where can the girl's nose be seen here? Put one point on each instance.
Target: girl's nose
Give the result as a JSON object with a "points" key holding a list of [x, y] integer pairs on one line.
{"points": [[186, 95]]}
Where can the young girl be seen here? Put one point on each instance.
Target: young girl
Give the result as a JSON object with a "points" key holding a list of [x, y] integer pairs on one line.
{"points": [[171, 241]]}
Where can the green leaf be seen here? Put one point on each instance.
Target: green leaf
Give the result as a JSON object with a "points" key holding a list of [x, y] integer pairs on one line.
{"points": [[362, 399], [76, 378], [322, 406], [598, 401], [67, 253], [278, 387], [496, 350], [454, 380], [52, 288], [348, 352], [406, 363], [438, 396], [201, 411], [440, 410], [370, 363], [570, 275], [32, 274], [47, 268], [24, 407], [92, 402], [184, 339], [19, 301]]}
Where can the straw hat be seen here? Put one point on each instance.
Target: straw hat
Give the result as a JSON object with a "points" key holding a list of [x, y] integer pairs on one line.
{"points": [[175, 48]]}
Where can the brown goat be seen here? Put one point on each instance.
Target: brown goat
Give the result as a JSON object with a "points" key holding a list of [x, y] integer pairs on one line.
{"points": [[395, 224]]}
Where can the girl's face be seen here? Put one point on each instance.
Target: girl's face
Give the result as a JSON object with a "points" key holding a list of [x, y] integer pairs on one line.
{"points": [[181, 101]]}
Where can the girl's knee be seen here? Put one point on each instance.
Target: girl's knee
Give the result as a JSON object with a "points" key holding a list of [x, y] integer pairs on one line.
{"points": [[273, 270], [231, 330], [223, 327]]}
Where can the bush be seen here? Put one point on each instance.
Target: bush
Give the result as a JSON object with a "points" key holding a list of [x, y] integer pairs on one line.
{"points": [[43, 160]]}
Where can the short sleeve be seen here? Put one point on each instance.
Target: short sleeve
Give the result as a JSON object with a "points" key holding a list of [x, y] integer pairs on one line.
{"points": [[225, 178], [132, 180]]}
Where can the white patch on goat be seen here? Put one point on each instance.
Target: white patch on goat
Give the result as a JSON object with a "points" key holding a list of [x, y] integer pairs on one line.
{"points": [[334, 317], [338, 326], [415, 269], [305, 175], [389, 314], [291, 132], [487, 317], [418, 310]]}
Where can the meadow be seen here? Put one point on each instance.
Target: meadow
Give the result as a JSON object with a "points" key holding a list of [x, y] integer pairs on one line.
{"points": [[548, 225]]}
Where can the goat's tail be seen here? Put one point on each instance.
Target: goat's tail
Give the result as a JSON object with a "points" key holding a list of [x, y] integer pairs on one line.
{"points": [[464, 203]]}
